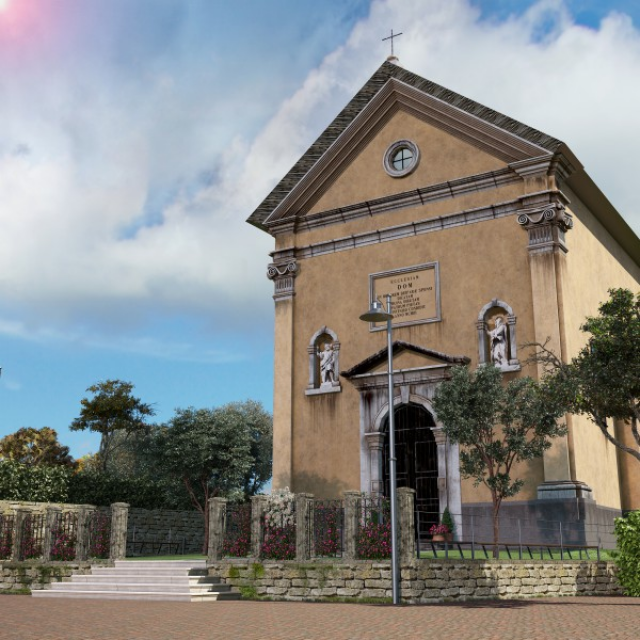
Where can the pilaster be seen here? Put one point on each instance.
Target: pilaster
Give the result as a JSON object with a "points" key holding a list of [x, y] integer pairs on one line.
{"points": [[546, 224], [217, 511], [407, 533], [52, 519], [85, 514], [375, 444], [119, 518], [441, 445], [283, 272], [18, 532], [351, 500], [304, 526], [258, 507]]}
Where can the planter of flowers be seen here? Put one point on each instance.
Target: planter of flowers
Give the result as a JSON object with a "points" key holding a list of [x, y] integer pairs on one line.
{"points": [[441, 533]]}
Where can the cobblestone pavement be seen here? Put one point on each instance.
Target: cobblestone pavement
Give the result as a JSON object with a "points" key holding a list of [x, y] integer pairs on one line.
{"points": [[25, 618]]}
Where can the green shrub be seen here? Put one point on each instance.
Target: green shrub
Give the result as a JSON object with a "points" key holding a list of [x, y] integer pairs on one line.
{"points": [[447, 519], [103, 489], [248, 593], [628, 557], [39, 483]]}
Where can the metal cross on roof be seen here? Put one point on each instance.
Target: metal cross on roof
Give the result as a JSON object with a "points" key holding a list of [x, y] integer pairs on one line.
{"points": [[391, 37]]}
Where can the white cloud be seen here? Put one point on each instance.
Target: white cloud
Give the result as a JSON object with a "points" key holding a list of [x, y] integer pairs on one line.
{"points": [[123, 202]]}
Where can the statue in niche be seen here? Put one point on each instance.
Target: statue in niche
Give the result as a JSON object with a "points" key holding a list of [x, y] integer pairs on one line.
{"points": [[327, 364], [498, 345]]}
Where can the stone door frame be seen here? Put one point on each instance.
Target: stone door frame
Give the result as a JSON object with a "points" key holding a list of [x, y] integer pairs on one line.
{"points": [[411, 386]]}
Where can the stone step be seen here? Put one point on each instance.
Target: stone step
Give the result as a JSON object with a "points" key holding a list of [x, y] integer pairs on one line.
{"points": [[164, 578], [189, 564], [180, 581], [209, 596], [101, 571], [138, 586]]}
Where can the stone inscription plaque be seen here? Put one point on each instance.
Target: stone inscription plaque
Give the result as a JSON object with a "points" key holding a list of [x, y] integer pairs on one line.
{"points": [[414, 294]]}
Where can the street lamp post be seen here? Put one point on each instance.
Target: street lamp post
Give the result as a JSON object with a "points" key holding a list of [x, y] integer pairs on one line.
{"points": [[377, 314]]}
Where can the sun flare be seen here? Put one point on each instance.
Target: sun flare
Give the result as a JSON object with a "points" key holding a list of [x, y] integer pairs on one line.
{"points": [[4, 4]]}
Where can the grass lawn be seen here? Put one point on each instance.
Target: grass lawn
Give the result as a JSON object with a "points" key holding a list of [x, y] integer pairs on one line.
{"points": [[605, 554], [454, 553]]}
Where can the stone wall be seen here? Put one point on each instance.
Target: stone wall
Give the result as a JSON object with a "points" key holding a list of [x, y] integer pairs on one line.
{"points": [[177, 531], [10, 506], [17, 576], [183, 529], [572, 521], [421, 581]]}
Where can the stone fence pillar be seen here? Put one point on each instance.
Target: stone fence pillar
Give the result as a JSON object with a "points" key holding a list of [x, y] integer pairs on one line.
{"points": [[52, 519], [258, 507], [85, 515], [304, 526], [351, 503], [217, 517], [119, 517], [407, 532], [18, 527]]}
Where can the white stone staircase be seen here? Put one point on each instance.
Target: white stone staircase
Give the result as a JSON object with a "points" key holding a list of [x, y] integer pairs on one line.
{"points": [[176, 580]]}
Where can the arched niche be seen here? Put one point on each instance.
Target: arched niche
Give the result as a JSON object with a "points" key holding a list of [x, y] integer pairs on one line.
{"points": [[497, 344], [324, 362]]}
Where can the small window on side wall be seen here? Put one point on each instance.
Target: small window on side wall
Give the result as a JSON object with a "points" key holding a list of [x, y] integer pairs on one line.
{"points": [[324, 359]]}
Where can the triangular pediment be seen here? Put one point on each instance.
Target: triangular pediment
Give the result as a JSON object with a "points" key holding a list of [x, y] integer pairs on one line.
{"points": [[405, 356], [443, 158], [460, 145], [390, 91]]}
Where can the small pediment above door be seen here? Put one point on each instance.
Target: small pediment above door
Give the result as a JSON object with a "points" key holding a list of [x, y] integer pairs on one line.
{"points": [[411, 362]]}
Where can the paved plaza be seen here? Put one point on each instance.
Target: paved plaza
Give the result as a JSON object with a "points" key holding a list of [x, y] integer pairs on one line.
{"points": [[25, 618]]}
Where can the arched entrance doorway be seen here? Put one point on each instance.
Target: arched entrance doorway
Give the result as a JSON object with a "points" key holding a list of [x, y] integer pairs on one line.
{"points": [[417, 461]]}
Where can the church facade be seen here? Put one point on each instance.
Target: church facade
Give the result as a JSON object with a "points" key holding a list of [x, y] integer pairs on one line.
{"points": [[488, 235]]}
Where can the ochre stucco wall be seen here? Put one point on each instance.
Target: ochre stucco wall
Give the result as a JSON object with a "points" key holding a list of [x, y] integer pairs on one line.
{"points": [[477, 263], [442, 157], [594, 264]]}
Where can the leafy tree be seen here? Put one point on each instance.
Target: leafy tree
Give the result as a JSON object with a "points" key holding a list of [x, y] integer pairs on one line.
{"points": [[33, 447], [88, 463], [259, 428], [498, 426], [113, 412], [215, 452], [142, 491], [603, 381]]}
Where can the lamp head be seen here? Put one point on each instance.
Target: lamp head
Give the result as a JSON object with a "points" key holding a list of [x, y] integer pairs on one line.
{"points": [[376, 313]]}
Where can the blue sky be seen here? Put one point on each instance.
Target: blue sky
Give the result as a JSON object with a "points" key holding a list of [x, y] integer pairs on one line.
{"points": [[136, 136]]}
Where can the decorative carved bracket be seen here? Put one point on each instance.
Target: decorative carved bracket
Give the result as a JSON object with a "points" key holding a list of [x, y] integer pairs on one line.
{"points": [[546, 227], [283, 275]]}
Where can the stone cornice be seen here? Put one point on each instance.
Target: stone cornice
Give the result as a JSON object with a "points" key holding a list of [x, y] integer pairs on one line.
{"points": [[397, 201], [378, 358], [420, 227], [433, 373]]}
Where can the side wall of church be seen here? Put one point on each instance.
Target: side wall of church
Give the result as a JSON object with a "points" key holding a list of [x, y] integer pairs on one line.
{"points": [[595, 263]]}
